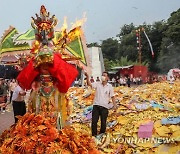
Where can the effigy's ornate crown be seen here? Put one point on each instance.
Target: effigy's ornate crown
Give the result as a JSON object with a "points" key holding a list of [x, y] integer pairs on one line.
{"points": [[44, 23]]}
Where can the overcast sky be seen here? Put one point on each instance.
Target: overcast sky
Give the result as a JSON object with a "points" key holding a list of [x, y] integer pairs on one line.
{"points": [[104, 17]]}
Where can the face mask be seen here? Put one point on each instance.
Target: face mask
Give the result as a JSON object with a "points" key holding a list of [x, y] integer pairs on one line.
{"points": [[103, 78]]}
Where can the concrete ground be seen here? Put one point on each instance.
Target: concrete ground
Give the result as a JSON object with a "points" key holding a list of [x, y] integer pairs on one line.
{"points": [[6, 118]]}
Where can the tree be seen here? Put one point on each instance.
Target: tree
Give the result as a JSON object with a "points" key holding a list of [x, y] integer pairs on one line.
{"points": [[125, 30], [107, 64], [109, 48], [164, 37], [95, 44], [127, 46], [173, 31], [123, 61], [169, 60], [169, 53]]}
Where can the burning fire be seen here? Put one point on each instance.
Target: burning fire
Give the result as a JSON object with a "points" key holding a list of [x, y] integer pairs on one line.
{"points": [[64, 27], [73, 33], [80, 22]]}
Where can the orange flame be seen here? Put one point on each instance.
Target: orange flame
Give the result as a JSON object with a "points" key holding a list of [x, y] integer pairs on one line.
{"points": [[80, 22], [73, 33], [65, 25]]}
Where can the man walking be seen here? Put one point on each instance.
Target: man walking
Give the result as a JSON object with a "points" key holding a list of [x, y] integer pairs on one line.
{"points": [[19, 106], [104, 92]]}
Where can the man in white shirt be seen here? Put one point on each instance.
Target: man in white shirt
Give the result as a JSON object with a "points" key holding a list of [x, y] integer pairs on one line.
{"points": [[171, 80], [19, 106], [104, 92], [12, 86]]}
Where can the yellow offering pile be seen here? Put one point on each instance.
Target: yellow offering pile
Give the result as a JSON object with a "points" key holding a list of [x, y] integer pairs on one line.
{"points": [[128, 131], [136, 106]]}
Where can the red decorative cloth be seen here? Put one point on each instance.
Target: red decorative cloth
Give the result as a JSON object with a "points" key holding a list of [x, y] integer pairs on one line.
{"points": [[64, 73], [27, 76]]}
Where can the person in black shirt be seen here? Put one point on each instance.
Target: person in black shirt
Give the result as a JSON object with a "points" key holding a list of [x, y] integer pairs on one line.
{"points": [[129, 81]]}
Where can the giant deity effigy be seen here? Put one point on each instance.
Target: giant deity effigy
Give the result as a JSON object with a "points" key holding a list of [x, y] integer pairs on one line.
{"points": [[47, 73]]}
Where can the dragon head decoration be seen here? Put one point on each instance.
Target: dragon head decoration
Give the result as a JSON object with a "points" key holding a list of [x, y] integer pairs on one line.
{"points": [[44, 26]]}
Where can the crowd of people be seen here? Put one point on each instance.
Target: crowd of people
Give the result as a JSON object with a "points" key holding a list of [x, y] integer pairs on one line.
{"points": [[135, 81], [122, 81], [129, 81], [125, 80]]}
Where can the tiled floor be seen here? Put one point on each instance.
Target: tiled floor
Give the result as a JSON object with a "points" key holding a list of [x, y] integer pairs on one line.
{"points": [[6, 119]]}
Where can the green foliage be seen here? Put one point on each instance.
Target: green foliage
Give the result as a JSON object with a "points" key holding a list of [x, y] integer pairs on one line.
{"points": [[95, 44], [128, 47], [173, 30], [171, 59], [125, 30], [107, 64], [165, 39], [123, 61], [109, 48], [169, 56]]}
